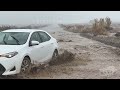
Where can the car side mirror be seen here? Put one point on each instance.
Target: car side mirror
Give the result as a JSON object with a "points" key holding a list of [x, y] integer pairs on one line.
{"points": [[33, 43]]}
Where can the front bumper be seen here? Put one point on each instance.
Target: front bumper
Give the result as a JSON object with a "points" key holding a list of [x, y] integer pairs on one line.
{"points": [[7, 64]]}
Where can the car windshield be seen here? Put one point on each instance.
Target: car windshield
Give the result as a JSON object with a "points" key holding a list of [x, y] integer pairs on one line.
{"points": [[13, 38]]}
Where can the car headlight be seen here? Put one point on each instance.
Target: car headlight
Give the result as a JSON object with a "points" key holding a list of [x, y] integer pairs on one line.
{"points": [[9, 55]]}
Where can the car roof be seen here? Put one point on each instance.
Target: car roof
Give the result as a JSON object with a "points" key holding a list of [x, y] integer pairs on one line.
{"points": [[22, 30]]}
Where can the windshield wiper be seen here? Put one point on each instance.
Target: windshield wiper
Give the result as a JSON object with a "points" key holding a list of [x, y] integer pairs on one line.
{"points": [[15, 39], [4, 39]]}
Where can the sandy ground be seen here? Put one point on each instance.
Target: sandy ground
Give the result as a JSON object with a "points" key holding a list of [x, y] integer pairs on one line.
{"points": [[93, 60]]}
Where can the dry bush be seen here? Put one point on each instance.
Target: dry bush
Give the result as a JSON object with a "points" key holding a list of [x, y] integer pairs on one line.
{"points": [[113, 41], [6, 27], [101, 27], [76, 28], [86, 30], [108, 23], [117, 34]]}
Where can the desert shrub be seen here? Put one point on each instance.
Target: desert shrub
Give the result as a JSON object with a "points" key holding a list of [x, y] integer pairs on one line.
{"points": [[76, 28], [87, 35], [113, 41], [97, 27], [5, 27], [86, 30], [108, 23], [101, 27], [117, 34]]}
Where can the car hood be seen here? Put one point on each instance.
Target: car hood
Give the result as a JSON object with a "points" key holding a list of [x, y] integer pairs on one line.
{"points": [[9, 48]]}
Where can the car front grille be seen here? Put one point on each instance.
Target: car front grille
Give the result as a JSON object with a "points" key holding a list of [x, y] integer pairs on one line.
{"points": [[2, 69]]}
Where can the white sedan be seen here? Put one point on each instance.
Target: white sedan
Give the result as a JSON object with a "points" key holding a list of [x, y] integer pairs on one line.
{"points": [[19, 48]]}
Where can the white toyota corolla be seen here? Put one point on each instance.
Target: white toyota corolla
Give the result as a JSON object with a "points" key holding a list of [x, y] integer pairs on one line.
{"points": [[19, 48]]}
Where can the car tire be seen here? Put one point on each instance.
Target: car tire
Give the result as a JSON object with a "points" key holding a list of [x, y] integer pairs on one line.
{"points": [[25, 66], [55, 55]]}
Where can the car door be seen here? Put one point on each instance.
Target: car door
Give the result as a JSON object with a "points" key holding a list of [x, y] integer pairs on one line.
{"points": [[36, 52], [47, 44]]}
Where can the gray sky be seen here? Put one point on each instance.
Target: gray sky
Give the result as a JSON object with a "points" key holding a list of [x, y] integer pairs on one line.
{"points": [[33, 17]]}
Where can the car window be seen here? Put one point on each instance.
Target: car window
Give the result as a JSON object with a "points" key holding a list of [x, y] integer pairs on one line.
{"points": [[44, 36], [35, 37], [13, 38]]}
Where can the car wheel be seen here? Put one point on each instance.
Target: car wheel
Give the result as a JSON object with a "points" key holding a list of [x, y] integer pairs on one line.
{"points": [[26, 66], [55, 55]]}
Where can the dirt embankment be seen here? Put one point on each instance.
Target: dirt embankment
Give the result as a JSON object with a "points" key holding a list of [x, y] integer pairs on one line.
{"points": [[92, 59]]}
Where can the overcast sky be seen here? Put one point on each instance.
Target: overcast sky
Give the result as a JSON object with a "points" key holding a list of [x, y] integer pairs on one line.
{"points": [[33, 17]]}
